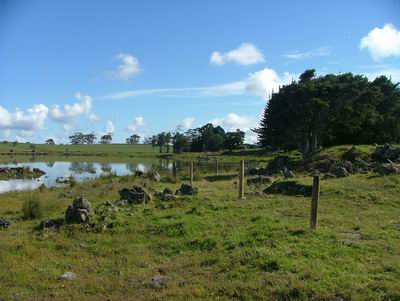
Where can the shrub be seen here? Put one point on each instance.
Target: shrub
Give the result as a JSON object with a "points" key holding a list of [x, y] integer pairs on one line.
{"points": [[32, 207]]}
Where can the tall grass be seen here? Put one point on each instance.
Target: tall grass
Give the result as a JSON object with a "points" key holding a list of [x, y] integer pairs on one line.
{"points": [[32, 207]]}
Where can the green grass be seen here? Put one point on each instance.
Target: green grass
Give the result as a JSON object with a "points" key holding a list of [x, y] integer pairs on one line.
{"points": [[87, 150], [211, 246]]}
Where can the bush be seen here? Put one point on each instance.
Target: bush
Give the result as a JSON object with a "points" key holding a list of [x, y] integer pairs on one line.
{"points": [[32, 207]]}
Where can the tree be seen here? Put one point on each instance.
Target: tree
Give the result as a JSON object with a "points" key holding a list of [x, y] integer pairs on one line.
{"points": [[234, 140], [50, 141], [161, 141], [167, 141], [181, 143], [106, 139], [133, 139], [80, 138], [331, 110]]}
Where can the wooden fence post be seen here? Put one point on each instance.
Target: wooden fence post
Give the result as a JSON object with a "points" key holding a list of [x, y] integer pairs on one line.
{"points": [[216, 167], [191, 173], [314, 203], [241, 180]]}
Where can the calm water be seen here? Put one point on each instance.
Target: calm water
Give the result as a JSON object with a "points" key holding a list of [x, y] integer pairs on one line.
{"points": [[79, 170], [89, 170]]}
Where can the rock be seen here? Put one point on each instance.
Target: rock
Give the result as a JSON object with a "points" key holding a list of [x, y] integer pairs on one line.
{"points": [[167, 191], [386, 153], [158, 281], [186, 189], [279, 163], [69, 276], [260, 180], [4, 223], [289, 188], [387, 169], [121, 203], [328, 176], [339, 172], [157, 177], [289, 174], [135, 195], [353, 155], [138, 174], [108, 204], [50, 224], [80, 211]]}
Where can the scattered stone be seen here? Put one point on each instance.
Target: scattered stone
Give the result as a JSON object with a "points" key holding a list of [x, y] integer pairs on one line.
{"points": [[339, 172], [396, 226], [260, 180], [386, 153], [135, 195], [167, 191], [353, 155], [186, 189], [328, 176], [68, 276], [80, 211], [387, 169], [158, 281], [289, 174], [21, 172], [138, 174], [4, 223], [53, 224], [121, 203], [289, 188]]}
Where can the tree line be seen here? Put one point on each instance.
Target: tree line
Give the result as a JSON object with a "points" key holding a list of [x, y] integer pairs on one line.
{"points": [[331, 110], [204, 138]]}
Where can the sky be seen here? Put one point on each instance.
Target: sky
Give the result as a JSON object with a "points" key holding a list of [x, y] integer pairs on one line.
{"points": [[142, 67]]}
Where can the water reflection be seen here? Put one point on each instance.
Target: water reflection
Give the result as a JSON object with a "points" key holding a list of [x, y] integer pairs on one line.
{"points": [[89, 170]]}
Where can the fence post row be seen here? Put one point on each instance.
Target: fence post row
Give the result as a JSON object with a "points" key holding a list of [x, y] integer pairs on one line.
{"points": [[241, 180], [314, 203]]}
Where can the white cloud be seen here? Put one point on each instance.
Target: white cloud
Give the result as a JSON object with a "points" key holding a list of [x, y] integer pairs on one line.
{"points": [[135, 125], [30, 120], [128, 68], [232, 122], [245, 54], [259, 83], [68, 113], [394, 74], [296, 55], [382, 42], [265, 81], [187, 122]]}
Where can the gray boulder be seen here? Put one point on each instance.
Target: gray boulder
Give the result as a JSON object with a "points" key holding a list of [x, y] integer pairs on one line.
{"points": [[135, 195], [339, 172], [186, 189], [289, 174], [80, 212], [4, 223], [387, 169]]}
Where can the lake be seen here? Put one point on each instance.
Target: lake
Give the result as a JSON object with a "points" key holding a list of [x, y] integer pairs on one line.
{"points": [[84, 170]]}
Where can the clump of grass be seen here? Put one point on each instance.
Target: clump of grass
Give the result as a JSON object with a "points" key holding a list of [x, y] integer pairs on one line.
{"points": [[32, 207]]}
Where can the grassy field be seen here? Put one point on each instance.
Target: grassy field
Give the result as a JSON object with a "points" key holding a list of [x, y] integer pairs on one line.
{"points": [[211, 246], [88, 150]]}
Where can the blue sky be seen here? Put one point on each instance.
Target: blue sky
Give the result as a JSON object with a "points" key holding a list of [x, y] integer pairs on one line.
{"points": [[148, 66]]}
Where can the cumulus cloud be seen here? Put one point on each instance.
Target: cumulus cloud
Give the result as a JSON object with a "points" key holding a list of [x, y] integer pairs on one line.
{"points": [[68, 113], [187, 122], [232, 122], [108, 128], [128, 67], [382, 42], [296, 55], [394, 74], [245, 54], [265, 81], [137, 123], [30, 120]]}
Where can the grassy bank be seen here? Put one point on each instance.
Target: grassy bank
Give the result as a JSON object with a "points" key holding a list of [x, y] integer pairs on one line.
{"points": [[78, 150], [210, 246]]}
